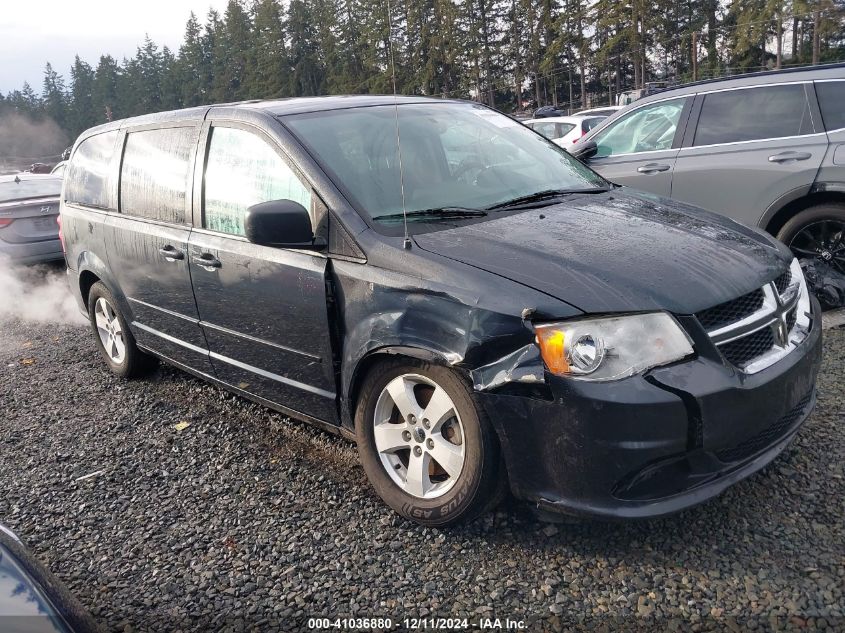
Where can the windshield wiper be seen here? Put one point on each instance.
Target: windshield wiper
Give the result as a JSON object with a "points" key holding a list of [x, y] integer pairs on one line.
{"points": [[542, 196], [440, 213]]}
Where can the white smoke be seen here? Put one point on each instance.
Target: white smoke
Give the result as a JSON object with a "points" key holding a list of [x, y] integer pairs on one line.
{"points": [[25, 140], [39, 294]]}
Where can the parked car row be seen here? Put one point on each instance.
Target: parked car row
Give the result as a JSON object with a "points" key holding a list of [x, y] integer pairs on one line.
{"points": [[484, 313], [766, 149], [564, 130]]}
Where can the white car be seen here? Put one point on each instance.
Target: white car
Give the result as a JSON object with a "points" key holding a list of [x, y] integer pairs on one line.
{"points": [[564, 130], [603, 111]]}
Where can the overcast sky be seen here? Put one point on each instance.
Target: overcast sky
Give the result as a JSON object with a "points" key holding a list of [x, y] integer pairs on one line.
{"points": [[33, 32]]}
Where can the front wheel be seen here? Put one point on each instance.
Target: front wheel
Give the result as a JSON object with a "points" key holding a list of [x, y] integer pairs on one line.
{"points": [[428, 450]]}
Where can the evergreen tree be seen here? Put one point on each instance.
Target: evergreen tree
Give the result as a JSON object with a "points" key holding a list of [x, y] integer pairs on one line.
{"points": [[232, 55], [505, 53], [105, 90], [307, 71], [170, 79], [54, 97], [82, 114], [192, 66], [269, 74]]}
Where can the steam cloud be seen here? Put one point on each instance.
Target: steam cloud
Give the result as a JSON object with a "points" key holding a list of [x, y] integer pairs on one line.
{"points": [[23, 139], [37, 293]]}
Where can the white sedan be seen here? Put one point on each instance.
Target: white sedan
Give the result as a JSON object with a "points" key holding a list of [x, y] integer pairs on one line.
{"points": [[564, 130]]}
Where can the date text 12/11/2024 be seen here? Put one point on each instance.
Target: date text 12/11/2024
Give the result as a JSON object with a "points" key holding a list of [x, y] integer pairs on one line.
{"points": [[416, 624]]}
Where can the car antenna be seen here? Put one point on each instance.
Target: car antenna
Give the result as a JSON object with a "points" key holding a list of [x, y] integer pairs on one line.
{"points": [[407, 241]]}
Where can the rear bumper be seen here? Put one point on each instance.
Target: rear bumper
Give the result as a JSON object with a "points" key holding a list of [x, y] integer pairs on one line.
{"points": [[32, 252], [653, 445]]}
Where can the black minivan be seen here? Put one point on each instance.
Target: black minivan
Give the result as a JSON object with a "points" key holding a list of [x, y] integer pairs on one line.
{"points": [[477, 309]]}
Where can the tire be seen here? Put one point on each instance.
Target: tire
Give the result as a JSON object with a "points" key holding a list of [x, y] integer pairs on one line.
{"points": [[480, 481], [122, 356], [832, 213], [818, 234]]}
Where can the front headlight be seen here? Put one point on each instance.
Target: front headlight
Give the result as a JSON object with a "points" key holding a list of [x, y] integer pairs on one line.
{"points": [[804, 306], [609, 348]]}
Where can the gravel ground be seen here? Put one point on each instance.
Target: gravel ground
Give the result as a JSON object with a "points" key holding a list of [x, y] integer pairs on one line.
{"points": [[206, 512]]}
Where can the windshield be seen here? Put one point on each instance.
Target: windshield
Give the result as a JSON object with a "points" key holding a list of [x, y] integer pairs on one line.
{"points": [[453, 155]]}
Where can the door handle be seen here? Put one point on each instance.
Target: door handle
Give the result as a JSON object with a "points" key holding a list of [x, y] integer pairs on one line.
{"points": [[207, 261], [170, 253], [651, 168], [785, 157]]}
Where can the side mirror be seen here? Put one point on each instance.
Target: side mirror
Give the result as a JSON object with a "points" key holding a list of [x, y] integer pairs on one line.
{"points": [[282, 223], [584, 150]]}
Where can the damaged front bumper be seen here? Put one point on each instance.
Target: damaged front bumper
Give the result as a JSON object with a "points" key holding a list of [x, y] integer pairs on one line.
{"points": [[652, 444]]}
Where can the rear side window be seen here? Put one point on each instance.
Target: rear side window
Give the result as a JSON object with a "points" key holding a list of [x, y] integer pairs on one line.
{"points": [[563, 129], [589, 124], [89, 180], [753, 113], [831, 96], [154, 173], [549, 129], [243, 170]]}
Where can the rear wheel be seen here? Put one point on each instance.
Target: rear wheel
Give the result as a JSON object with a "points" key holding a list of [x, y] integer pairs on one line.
{"points": [[426, 447], [113, 337], [818, 234]]}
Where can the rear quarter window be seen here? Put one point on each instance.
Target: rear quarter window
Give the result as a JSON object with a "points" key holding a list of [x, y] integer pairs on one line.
{"points": [[549, 129], [154, 173], [589, 124], [752, 114], [89, 173], [831, 96]]}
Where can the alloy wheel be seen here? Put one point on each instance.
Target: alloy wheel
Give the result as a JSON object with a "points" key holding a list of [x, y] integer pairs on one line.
{"points": [[823, 240], [109, 330], [419, 436]]}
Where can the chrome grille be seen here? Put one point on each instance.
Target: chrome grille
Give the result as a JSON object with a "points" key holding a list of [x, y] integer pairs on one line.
{"points": [[743, 350], [791, 318], [759, 328], [782, 282], [731, 311]]}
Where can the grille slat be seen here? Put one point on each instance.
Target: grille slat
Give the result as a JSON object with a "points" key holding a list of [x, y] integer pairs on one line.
{"points": [[782, 282], [742, 351], [731, 311], [767, 436], [791, 318]]}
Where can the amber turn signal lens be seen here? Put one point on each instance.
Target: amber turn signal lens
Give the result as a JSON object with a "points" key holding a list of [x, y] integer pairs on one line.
{"points": [[550, 340]]}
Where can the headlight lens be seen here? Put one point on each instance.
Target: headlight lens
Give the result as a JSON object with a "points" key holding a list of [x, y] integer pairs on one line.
{"points": [[804, 305], [609, 348]]}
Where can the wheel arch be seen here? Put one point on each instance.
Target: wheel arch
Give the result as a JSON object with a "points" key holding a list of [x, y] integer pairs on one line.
{"points": [[372, 358], [93, 269], [788, 206], [86, 280]]}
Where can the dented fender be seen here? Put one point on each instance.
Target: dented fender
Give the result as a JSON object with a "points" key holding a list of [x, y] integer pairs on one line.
{"points": [[469, 319]]}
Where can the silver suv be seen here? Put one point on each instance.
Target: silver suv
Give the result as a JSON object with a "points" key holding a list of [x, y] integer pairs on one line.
{"points": [[767, 149]]}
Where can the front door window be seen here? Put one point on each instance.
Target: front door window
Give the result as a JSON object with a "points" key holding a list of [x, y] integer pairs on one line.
{"points": [[243, 170], [647, 129]]}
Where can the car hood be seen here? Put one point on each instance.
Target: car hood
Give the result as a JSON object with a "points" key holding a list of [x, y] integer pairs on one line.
{"points": [[619, 252]]}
